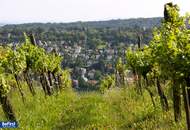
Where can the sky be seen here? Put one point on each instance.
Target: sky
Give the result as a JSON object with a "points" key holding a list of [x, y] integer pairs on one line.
{"points": [[28, 11]]}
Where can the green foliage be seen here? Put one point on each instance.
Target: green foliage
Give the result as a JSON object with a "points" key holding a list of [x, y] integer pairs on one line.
{"points": [[140, 61], [54, 63], [36, 57], [131, 58], [66, 81], [167, 56], [5, 70], [15, 62], [120, 67], [4, 87], [38, 60], [170, 45], [107, 82], [28, 58], [168, 52]]}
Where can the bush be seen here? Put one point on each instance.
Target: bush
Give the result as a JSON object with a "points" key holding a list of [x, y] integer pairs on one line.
{"points": [[107, 83], [66, 81]]}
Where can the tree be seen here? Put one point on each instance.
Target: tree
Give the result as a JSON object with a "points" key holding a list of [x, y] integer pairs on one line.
{"points": [[170, 48]]}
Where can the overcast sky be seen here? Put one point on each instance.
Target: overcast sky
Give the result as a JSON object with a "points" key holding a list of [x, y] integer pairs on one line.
{"points": [[23, 11]]}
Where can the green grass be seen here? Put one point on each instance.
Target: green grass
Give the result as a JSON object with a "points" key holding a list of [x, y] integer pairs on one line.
{"points": [[40, 113], [117, 109]]}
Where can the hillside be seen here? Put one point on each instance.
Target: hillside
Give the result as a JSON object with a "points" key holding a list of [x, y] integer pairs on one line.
{"points": [[126, 23], [113, 31]]}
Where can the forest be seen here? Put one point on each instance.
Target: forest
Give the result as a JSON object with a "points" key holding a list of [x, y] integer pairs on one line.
{"points": [[144, 85], [114, 31]]}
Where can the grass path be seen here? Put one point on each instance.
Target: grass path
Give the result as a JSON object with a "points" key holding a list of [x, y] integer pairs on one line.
{"points": [[117, 109]]}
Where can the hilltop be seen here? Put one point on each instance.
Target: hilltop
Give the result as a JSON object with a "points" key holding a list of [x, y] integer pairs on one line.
{"points": [[126, 23]]}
